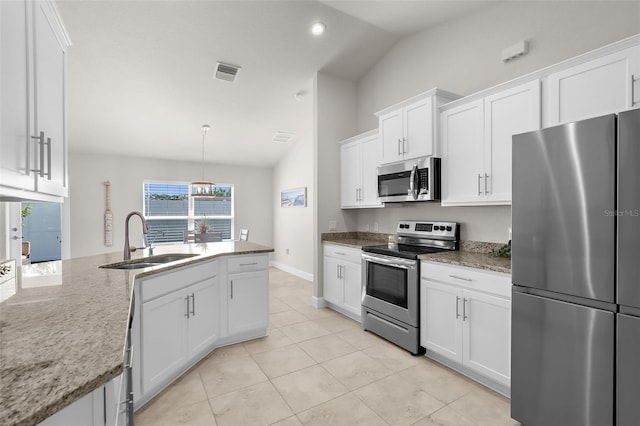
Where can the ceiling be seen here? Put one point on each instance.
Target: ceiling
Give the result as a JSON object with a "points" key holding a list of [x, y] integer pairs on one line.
{"points": [[140, 72]]}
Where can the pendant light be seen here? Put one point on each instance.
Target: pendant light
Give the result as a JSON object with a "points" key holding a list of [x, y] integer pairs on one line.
{"points": [[203, 188]]}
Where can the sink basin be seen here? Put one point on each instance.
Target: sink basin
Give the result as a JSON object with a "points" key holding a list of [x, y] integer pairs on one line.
{"points": [[147, 262]]}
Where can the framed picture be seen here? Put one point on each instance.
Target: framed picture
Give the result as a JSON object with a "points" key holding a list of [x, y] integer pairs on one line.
{"points": [[294, 197]]}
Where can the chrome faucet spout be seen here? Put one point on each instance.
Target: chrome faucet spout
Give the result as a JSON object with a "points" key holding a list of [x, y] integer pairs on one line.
{"points": [[145, 231]]}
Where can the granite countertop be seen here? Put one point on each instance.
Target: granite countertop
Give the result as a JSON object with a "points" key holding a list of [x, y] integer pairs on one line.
{"points": [[472, 254], [63, 333]]}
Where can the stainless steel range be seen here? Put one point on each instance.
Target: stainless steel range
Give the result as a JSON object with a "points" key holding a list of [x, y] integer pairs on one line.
{"points": [[391, 280]]}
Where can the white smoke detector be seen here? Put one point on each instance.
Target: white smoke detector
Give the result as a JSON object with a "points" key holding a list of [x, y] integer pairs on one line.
{"points": [[226, 72], [283, 137]]}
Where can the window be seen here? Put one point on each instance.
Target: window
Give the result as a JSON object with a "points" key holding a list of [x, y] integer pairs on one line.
{"points": [[170, 210]]}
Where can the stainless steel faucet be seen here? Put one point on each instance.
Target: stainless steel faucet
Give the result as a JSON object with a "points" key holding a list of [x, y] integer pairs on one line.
{"points": [[145, 231]]}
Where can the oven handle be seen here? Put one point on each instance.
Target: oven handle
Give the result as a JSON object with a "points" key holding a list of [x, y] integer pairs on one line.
{"points": [[390, 261]]}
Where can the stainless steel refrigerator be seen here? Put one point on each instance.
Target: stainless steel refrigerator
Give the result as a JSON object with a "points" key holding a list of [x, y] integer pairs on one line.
{"points": [[576, 273]]}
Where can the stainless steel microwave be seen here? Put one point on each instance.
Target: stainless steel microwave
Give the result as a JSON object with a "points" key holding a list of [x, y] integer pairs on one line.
{"points": [[411, 180]]}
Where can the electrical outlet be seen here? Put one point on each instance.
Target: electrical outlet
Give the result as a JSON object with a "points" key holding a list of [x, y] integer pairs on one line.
{"points": [[375, 226], [366, 227], [333, 225], [286, 251], [510, 233]]}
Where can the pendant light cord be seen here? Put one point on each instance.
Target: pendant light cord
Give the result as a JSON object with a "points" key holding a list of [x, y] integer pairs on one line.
{"points": [[205, 129]]}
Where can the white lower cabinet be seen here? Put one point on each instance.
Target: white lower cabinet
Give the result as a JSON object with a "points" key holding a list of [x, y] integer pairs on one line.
{"points": [[247, 308], [343, 279], [466, 321]]}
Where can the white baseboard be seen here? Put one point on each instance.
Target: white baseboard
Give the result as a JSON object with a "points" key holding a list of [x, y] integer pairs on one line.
{"points": [[293, 271], [318, 302]]}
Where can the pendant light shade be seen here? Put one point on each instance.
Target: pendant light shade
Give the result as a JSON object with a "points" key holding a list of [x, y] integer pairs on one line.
{"points": [[203, 188]]}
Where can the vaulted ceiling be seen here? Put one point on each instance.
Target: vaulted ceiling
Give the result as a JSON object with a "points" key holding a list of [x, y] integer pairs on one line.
{"points": [[140, 72]]}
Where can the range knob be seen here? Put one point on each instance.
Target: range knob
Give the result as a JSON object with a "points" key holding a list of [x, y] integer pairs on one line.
{"points": [[436, 228], [449, 228]]}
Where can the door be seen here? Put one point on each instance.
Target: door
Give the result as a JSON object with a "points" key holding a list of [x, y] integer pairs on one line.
{"points": [[418, 129], [441, 319], [50, 101], [16, 145], [391, 134], [562, 363], [463, 134], [627, 370], [507, 113], [333, 283], [350, 174], [598, 87], [164, 341], [204, 315], [248, 301], [563, 187], [352, 278], [486, 335], [370, 154], [42, 229], [629, 208]]}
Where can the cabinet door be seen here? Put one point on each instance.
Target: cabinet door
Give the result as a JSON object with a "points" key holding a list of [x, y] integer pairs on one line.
{"points": [[204, 315], [352, 273], [164, 339], [50, 101], [333, 284], [370, 154], [350, 173], [391, 134], [463, 135], [248, 301], [513, 111], [16, 146], [418, 129], [487, 335], [441, 319], [598, 87]]}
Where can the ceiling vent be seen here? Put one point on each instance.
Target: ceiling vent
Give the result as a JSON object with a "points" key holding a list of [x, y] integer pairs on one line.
{"points": [[282, 137], [226, 72]]}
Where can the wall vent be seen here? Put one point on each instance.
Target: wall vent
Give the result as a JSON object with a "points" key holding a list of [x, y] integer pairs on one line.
{"points": [[282, 137], [226, 72]]}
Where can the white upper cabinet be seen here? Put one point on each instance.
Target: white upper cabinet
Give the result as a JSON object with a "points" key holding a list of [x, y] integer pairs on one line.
{"points": [[476, 139], [359, 157], [33, 115], [603, 85], [409, 129]]}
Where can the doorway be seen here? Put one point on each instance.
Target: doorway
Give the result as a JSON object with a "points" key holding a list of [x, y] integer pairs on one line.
{"points": [[42, 229]]}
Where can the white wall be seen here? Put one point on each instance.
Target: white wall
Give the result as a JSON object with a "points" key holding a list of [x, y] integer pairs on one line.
{"points": [[87, 172], [293, 227], [463, 56], [335, 120]]}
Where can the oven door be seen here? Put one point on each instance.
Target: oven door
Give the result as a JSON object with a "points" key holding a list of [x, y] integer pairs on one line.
{"points": [[390, 286]]}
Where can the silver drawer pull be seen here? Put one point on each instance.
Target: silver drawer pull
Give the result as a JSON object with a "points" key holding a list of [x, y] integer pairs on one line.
{"points": [[461, 278], [339, 253], [249, 264], [457, 307], [464, 309]]}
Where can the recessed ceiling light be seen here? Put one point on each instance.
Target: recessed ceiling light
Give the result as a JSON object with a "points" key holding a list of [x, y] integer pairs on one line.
{"points": [[318, 29]]}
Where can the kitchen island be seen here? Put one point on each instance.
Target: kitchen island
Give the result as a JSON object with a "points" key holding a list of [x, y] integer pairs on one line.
{"points": [[63, 333]]}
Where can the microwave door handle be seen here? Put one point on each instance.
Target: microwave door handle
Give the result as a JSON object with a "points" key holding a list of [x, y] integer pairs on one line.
{"points": [[414, 183]]}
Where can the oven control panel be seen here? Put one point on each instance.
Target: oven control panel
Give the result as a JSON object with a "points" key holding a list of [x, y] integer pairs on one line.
{"points": [[413, 228]]}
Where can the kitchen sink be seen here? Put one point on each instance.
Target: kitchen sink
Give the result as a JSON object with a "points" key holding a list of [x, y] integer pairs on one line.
{"points": [[147, 262]]}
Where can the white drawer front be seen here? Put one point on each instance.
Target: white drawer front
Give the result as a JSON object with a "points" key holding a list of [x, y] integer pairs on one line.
{"points": [[173, 280], [341, 252], [475, 279], [247, 263]]}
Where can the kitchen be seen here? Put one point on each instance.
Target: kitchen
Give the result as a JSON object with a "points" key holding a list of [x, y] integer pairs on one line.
{"points": [[438, 57]]}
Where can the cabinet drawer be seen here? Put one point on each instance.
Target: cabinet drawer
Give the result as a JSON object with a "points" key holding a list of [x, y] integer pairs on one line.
{"points": [[475, 279], [247, 263], [173, 280], [342, 252]]}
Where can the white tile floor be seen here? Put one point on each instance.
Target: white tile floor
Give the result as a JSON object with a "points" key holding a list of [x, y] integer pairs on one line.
{"points": [[318, 367]]}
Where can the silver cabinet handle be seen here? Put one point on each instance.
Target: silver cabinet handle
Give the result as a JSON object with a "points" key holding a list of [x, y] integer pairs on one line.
{"points": [[633, 90], [249, 264], [48, 143], [340, 253], [404, 146], [464, 309], [232, 289], [40, 142], [193, 304], [457, 307], [461, 278], [357, 199], [486, 178], [187, 314], [341, 271], [479, 177]]}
